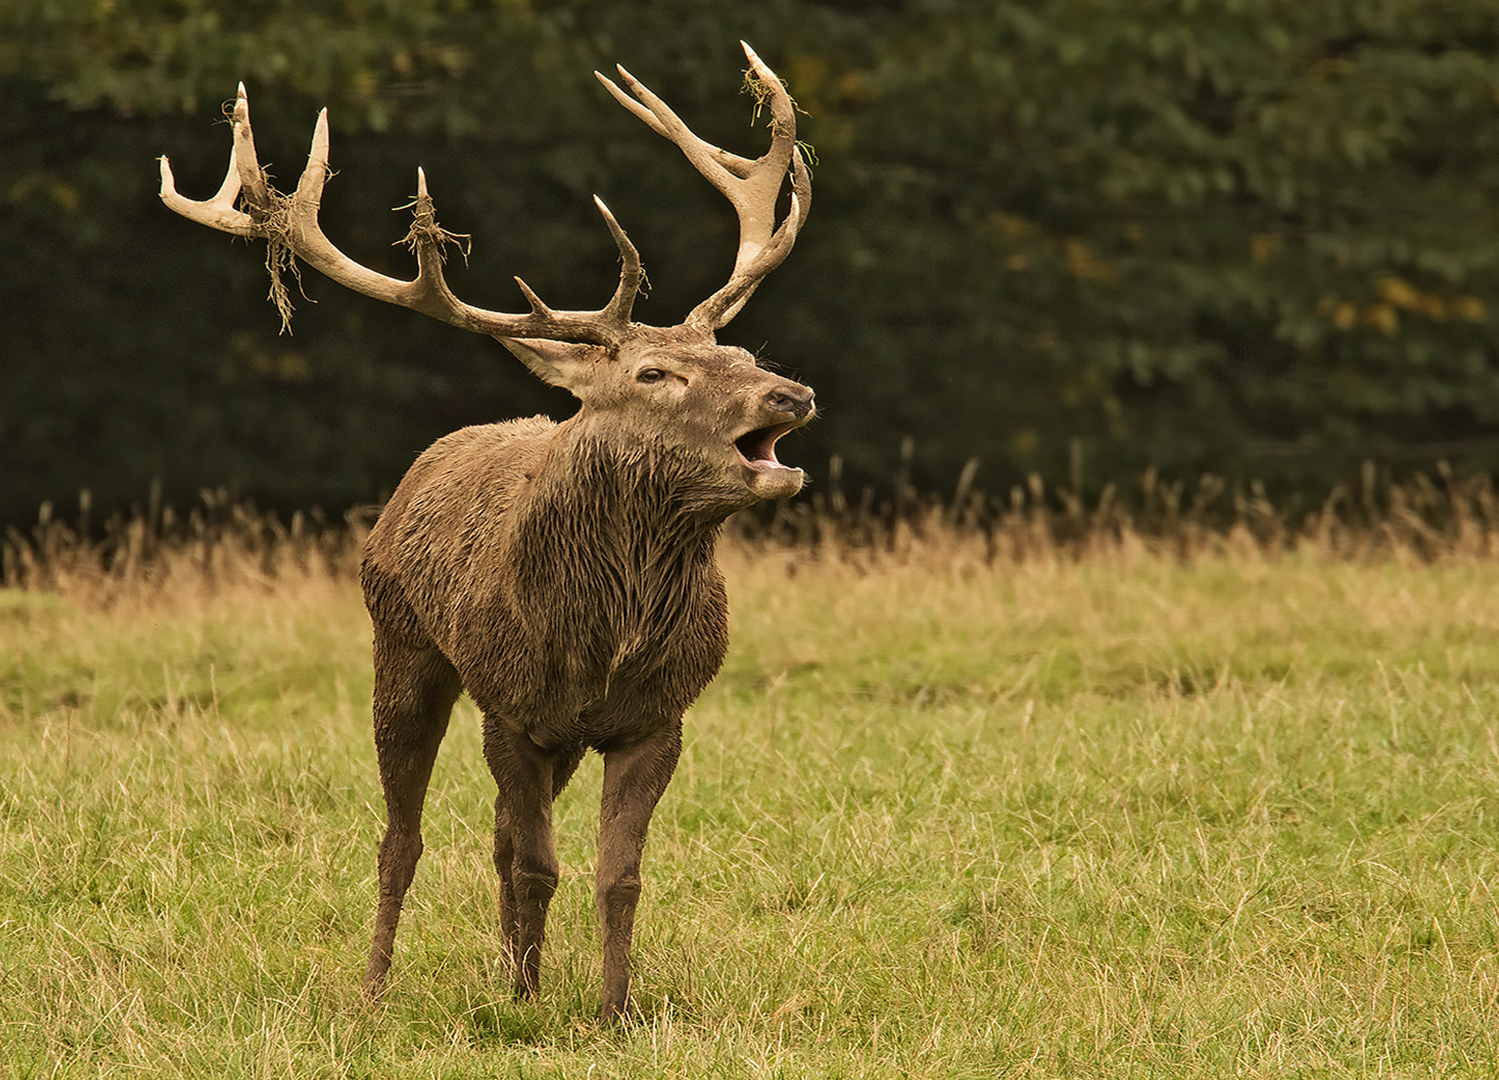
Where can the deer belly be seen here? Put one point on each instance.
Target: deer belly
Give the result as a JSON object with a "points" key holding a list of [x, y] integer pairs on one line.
{"points": [[615, 696]]}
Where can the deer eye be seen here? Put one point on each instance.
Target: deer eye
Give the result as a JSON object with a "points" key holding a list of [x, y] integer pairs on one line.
{"points": [[650, 375]]}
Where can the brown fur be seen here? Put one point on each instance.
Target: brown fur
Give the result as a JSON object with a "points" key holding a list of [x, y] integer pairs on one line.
{"points": [[564, 575]]}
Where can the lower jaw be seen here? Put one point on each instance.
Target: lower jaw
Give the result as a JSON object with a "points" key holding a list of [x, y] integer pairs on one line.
{"points": [[776, 483]]}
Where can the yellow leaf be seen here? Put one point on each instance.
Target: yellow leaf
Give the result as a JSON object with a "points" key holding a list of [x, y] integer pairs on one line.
{"points": [[1469, 308], [1263, 246], [1398, 293], [1085, 265], [1383, 318]]}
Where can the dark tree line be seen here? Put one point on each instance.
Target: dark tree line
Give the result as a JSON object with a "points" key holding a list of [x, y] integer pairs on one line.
{"points": [[1257, 238]]}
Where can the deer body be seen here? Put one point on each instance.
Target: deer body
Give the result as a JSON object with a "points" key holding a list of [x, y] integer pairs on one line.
{"points": [[573, 625], [562, 573], [536, 590]]}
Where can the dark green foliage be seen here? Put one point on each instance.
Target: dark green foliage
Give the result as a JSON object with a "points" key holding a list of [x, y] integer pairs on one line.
{"points": [[1260, 238], [1256, 237]]}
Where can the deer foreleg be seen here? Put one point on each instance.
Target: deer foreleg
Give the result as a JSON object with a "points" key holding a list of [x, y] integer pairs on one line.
{"points": [[524, 854], [414, 693], [634, 778]]}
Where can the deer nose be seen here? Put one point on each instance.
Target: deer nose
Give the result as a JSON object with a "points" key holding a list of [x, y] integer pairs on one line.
{"points": [[793, 399]]}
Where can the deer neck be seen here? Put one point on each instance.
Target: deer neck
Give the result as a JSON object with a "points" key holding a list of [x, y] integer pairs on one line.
{"points": [[640, 492], [614, 529], [613, 537]]}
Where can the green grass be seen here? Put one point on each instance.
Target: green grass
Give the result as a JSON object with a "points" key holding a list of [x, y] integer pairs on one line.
{"points": [[1121, 817]]}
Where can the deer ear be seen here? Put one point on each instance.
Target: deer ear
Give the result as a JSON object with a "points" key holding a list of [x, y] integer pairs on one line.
{"points": [[561, 363]]}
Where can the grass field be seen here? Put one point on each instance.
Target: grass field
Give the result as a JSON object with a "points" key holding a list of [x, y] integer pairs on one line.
{"points": [[1127, 815]]}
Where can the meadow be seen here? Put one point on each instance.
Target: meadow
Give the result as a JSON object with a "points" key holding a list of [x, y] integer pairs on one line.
{"points": [[954, 808]]}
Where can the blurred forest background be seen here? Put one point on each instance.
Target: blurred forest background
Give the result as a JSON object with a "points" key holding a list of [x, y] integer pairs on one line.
{"points": [[1072, 237]]}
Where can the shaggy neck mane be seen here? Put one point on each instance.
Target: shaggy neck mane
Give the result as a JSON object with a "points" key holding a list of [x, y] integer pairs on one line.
{"points": [[622, 540], [645, 492]]}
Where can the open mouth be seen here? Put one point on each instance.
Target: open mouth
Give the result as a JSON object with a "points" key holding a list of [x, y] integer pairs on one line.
{"points": [[757, 449]]}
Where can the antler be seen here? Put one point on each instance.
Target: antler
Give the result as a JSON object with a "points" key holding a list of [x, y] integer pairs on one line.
{"points": [[753, 186], [290, 222]]}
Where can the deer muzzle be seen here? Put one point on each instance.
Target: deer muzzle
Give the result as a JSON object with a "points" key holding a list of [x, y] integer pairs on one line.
{"points": [[766, 476], [794, 399]]}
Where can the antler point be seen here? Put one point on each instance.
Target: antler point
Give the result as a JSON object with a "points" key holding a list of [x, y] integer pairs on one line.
{"points": [[537, 306]]}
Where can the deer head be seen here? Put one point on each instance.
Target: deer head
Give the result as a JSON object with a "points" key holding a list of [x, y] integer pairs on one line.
{"points": [[716, 402]]}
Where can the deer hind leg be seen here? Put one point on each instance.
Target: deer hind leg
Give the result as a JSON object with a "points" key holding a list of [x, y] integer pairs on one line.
{"points": [[414, 693], [634, 778], [528, 778]]}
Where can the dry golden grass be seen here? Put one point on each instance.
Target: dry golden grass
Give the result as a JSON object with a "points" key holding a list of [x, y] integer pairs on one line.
{"points": [[1033, 794]]}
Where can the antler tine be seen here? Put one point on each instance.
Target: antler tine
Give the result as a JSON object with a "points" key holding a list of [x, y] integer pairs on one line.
{"points": [[735, 164], [291, 223], [631, 272], [218, 212], [722, 306], [752, 186]]}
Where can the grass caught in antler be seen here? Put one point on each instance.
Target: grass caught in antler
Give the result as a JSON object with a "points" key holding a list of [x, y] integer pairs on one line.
{"points": [[960, 803]]}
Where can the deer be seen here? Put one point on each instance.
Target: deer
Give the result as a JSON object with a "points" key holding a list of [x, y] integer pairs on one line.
{"points": [[563, 574]]}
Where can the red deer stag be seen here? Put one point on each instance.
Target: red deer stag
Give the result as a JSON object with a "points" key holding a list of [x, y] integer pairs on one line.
{"points": [[562, 573]]}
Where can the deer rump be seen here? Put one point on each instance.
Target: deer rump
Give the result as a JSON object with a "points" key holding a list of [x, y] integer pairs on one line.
{"points": [[562, 573]]}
